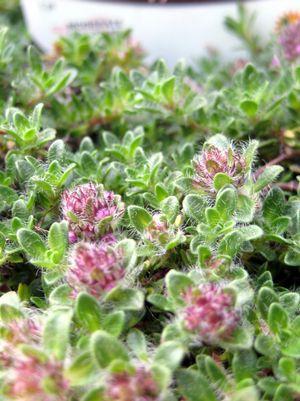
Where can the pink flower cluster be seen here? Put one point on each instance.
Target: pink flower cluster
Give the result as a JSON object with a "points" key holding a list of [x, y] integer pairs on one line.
{"points": [[30, 377], [33, 379], [90, 211], [215, 160], [19, 331], [139, 386], [23, 331], [95, 268], [209, 313], [289, 39]]}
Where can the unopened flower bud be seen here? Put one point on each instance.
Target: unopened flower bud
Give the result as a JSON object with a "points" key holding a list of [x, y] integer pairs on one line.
{"points": [[157, 228]]}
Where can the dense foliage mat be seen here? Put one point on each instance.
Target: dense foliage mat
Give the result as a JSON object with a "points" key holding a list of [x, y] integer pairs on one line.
{"points": [[150, 220]]}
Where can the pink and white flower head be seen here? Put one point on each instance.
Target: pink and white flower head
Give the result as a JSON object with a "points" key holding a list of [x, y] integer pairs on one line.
{"points": [[95, 268], [214, 160], [136, 386], [210, 313], [34, 379], [20, 331], [90, 211], [289, 40], [23, 331]]}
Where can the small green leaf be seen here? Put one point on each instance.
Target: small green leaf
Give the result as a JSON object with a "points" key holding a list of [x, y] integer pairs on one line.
{"points": [[221, 180], [230, 245], [82, 370], [284, 393], [7, 196], [177, 283], [280, 225], [277, 318], [290, 301], [127, 247], [160, 301], [242, 338], [193, 206], [251, 232], [137, 343], [212, 216], [245, 208], [194, 386], [287, 368], [292, 257], [35, 60], [61, 295], [56, 151], [64, 81], [32, 243], [114, 323], [291, 346], [106, 349], [126, 298], [244, 364], [215, 373], [20, 210], [249, 107], [169, 354], [170, 208], [226, 202], [267, 177], [168, 88], [56, 333], [139, 217], [88, 164], [266, 345], [163, 377], [265, 297], [250, 153], [88, 312], [58, 238]]}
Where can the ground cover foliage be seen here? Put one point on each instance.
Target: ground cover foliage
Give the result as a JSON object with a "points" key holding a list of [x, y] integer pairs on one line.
{"points": [[150, 219]]}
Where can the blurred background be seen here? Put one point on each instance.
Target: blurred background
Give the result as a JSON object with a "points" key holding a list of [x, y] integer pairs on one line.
{"points": [[171, 29]]}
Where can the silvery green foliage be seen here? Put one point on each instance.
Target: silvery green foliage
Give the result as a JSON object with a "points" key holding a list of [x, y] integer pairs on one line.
{"points": [[150, 222]]}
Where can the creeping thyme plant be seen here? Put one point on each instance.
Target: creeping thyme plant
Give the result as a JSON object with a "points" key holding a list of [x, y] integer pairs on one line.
{"points": [[150, 220]]}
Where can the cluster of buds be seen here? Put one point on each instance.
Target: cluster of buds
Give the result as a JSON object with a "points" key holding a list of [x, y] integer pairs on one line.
{"points": [[210, 313], [95, 268], [289, 35], [32, 378], [214, 160], [136, 386], [157, 229], [90, 211]]}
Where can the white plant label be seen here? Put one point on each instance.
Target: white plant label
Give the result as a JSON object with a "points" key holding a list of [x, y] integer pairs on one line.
{"points": [[172, 31]]}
